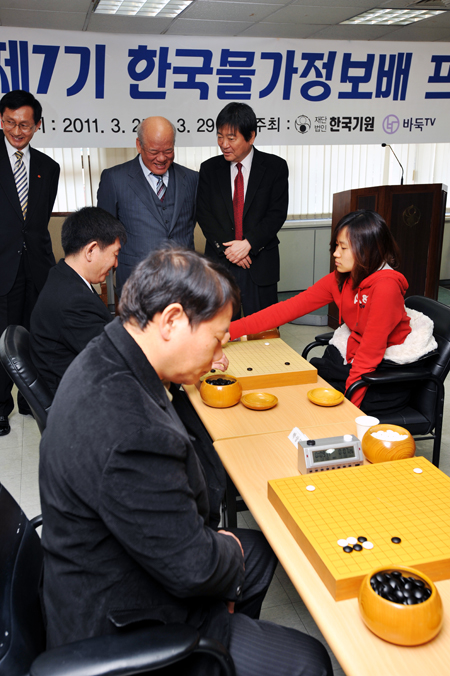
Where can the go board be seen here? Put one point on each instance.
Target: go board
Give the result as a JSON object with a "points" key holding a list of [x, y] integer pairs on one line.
{"points": [[375, 501], [267, 363]]}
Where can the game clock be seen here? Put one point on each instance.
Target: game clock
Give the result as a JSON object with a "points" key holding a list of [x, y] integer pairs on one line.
{"points": [[318, 455]]}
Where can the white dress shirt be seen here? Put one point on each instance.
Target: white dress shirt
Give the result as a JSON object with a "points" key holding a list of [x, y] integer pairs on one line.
{"points": [[88, 284], [153, 178], [13, 159]]}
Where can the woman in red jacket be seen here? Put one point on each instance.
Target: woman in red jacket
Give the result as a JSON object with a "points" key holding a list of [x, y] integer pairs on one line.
{"points": [[369, 293]]}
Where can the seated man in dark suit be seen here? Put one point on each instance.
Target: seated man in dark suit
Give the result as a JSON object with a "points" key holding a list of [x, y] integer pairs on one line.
{"points": [[126, 499], [68, 312]]}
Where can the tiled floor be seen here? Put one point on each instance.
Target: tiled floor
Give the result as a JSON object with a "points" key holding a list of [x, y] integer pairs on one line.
{"points": [[19, 457]]}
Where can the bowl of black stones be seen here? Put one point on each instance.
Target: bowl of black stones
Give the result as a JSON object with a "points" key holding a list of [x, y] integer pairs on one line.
{"points": [[221, 391], [401, 605]]}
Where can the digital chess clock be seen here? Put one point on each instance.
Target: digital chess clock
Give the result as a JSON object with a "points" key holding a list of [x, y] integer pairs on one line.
{"points": [[319, 455]]}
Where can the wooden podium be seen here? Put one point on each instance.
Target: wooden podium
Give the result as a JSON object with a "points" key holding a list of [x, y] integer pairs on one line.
{"points": [[415, 215]]}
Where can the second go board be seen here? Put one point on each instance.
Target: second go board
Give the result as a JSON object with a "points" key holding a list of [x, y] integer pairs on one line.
{"points": [[408, 500], [267, 363]]}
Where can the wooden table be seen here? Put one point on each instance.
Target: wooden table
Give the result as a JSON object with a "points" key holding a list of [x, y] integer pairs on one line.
{"points": [[251, 461], [293, 410]]}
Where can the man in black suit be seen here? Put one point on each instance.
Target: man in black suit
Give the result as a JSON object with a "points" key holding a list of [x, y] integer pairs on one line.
{"points": [[68, 312], [28, 186], [127, 498], [242, 204]]}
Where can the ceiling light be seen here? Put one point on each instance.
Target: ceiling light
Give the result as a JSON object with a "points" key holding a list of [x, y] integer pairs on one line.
{"points": [[393, 17], [160, 8]]}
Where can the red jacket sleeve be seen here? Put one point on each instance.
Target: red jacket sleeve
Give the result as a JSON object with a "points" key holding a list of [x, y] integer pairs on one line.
{"points": [[318, 295]]}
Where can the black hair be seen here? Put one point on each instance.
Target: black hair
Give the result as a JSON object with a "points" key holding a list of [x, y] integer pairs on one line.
{"points": [[238, 116], [90, 224], [177, 275], [371, 242], [18, 98]]}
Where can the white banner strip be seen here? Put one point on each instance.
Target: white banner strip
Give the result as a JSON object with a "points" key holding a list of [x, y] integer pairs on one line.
{"points": [[96, 87]]}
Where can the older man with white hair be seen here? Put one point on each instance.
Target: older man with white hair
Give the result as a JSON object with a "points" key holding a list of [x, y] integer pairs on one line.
{"points": [[152, 196]]}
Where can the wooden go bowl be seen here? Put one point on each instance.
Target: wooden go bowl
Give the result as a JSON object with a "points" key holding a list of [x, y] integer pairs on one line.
{"points": [[221, 396], [397, 623], [376, 450]]}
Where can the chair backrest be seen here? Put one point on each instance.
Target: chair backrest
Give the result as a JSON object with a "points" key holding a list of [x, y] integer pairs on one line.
{"points": [[439, 365], [22, 634], [16, 359]]}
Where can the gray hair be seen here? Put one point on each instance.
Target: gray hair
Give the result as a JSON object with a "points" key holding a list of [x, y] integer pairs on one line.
{"points": [[177, 275]]}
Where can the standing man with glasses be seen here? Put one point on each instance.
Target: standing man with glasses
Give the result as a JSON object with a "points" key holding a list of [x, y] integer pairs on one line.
{"points": [[153, 197], [28, 186]]}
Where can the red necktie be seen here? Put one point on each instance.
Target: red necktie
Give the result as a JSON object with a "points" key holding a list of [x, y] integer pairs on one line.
{"points": [[238, 202]]}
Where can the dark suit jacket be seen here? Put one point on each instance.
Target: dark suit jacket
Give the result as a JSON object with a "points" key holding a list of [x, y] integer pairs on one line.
{"points": [[125, 504], [126, 194], [43, 185], [265, 211], [66, 317]]}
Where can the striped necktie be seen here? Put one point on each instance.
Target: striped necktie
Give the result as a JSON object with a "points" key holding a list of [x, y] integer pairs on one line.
{"points": [[20, 177], [161, 188]]}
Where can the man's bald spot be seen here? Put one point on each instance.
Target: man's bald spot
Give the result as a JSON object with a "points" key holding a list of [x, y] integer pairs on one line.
{"points": [[155, 128]]}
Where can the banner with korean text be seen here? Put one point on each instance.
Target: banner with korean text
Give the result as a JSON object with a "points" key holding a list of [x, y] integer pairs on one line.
{"points": [[96, 87]]}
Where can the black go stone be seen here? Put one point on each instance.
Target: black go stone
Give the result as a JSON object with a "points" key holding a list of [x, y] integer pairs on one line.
{"points": [[249, 369], [362, 539], [348, 549], [287, 363], [357, 548], [219, 381], [394, 587], [396, 540]]}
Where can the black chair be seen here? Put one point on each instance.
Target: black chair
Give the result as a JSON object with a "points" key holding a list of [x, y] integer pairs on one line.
{"points": [[22, 634], [423, 416], [16, 360]]}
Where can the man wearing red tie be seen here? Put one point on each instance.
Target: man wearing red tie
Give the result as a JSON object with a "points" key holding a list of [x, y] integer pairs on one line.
{"points": [[28, 185], [241, 205]]}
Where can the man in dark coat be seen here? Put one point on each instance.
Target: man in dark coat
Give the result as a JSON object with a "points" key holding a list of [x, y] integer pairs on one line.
{"points": [[28, 186], [242, 203], [153, 196], [126, 499], [69, 312]]}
